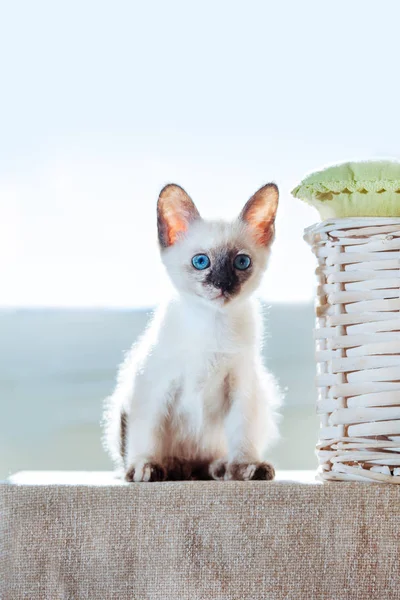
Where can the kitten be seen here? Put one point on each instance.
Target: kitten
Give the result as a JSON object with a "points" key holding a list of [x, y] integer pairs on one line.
{"points": [[193, 399]]}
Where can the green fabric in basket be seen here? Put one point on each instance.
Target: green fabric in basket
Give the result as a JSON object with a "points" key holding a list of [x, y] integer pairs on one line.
{"points": [[354, 189]]}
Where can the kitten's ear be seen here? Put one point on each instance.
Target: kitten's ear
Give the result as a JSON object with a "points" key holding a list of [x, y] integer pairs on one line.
{"points": [[259, 213], [175, 212]]}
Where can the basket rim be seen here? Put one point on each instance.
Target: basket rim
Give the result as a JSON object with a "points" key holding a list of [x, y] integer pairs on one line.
{"points": [[347, 223]]}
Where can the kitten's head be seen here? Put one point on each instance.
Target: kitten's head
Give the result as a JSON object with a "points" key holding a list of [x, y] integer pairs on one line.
{"points": [[216, 261]]}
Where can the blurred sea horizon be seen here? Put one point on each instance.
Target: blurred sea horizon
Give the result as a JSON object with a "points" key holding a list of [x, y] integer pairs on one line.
{"points": [[58, 364]]}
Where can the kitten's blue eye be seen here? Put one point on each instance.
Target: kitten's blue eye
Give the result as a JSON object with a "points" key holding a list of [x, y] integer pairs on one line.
{"points": [[201, 261], [242, 262]]}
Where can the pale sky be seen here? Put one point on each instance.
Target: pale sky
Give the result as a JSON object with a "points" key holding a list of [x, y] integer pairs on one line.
{"points": [[102, 103]]}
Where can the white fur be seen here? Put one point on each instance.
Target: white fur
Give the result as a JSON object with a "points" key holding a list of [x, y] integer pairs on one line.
{"points": [[173, 383]]}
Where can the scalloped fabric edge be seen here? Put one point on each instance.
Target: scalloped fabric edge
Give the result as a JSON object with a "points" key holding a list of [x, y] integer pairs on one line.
{"points": [[313, 190], [358, 204]]}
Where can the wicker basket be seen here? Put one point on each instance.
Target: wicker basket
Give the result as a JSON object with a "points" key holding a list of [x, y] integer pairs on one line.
{"points": [[358, 348]]}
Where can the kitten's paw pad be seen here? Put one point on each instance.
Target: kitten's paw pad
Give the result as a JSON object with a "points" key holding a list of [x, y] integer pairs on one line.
{"points": [[146, 472], [218, 470], [250, 471]]}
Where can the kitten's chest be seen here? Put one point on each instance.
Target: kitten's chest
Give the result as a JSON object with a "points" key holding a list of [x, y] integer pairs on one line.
{"points": [[203, 395], [206, 358], [201, 371], [204, 349]]}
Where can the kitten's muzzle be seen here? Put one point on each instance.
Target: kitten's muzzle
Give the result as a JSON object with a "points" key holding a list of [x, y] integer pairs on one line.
{"points": [[226, 281]]}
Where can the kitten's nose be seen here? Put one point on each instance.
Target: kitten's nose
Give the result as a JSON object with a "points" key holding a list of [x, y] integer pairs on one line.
{"points": [[225, 284], [222, 275]]}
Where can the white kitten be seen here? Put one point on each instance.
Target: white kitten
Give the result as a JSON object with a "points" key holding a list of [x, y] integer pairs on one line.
{"points": [[193, 399]]}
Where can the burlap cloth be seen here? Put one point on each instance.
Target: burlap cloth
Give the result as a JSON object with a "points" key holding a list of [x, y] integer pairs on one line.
{"points": [[200, 540]]}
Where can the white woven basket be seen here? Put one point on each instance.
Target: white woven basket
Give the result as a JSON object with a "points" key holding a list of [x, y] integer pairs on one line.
{"points": [[358, 348]]}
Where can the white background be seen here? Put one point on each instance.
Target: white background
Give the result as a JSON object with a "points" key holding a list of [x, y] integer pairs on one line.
{"points": [[102, 103]]}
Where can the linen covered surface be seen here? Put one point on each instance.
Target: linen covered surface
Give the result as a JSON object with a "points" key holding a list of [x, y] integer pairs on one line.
{"points": [[198, 540]]}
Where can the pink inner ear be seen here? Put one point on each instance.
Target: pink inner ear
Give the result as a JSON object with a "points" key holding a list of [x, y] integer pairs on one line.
{"points": [[259, 213], [175, 227], [263, 234], [175, 211], [261, 222]]}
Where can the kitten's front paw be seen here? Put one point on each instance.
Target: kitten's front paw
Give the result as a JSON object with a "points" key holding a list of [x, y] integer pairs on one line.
{"points": [[146, 472], [218, 469], [221, 470], [250, 471]]}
